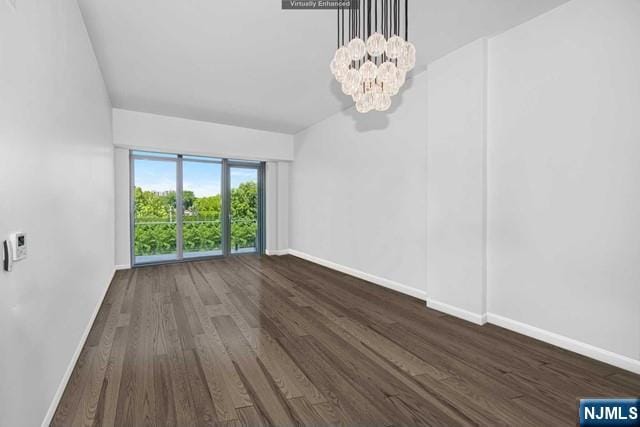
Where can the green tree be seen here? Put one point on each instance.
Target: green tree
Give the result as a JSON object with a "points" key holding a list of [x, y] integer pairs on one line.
{"points": [[208, 207], [244, 215], [149, 205], [188, 198], [244, 201], [156, 229]]}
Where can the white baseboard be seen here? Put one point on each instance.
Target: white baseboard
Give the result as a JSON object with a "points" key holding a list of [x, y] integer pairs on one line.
{"points": [[567, 343], [390, 284], [123, 267], [600, 354], [74, 359], [478, 319], [561, 341], [277, 252]]}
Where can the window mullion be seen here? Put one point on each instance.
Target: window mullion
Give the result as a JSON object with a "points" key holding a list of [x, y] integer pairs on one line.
{"points": [[179, 209]]}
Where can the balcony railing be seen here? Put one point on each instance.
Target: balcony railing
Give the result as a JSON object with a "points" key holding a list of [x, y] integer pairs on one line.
{"points": [[154, 237]]}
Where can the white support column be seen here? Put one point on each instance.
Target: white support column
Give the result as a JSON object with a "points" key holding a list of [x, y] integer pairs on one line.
{"points": [[456, 183], [283, 206], [277, 215]]}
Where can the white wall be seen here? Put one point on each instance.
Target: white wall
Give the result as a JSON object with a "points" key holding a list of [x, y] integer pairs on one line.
{"points": [[456, 244], [133, 130], [122, 214], [533, 212], [56, 184], [358, 196], [153, 132], [564, 156]]}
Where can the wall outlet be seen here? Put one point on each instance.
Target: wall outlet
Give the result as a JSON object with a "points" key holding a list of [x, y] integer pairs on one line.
{"points": [[12, 4]]}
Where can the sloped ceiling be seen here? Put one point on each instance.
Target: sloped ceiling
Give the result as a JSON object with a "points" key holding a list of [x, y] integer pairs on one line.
{"points": [[249, 63]]}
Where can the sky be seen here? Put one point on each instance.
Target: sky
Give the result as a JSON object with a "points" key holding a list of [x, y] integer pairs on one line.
{"points": [[204, 179]]}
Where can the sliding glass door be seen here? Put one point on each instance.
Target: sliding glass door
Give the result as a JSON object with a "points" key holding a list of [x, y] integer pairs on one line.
{"points": [[243, 217], [188, 207], [202, 207], [155, 231]]}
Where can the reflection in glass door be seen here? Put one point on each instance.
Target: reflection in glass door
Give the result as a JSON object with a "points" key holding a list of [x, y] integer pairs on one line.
{"points": [[154, 224], [244, 208], [202, 207]]}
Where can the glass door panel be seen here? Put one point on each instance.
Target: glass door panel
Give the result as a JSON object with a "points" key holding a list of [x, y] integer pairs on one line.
{"points": [[243, 212], [202, 208], [186, 207], [154, 210]]}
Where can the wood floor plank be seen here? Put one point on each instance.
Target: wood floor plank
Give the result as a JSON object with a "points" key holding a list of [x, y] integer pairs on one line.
{"points": [[161, 318], [93, 340], [124, 320], [483, 408], [145, 397], [231, 309], [88, 404], [293, 380], [206, 294], [182, 398], [266, 353], [375, 382], [331, 414], [629, 381], [335, 294], [305, 414], [281, 311], [367, 338], [264, 396], [185, 333], [130, 408], [446, 362], [214, 372], [338, 390], [202, 399], [130, 291], [250, 341], [218, 310], [75, 388], [219, 368], [113, 377], [195, 324], [250, 417], [211, 272], [286, 374], [164, 399], [544, 414]]}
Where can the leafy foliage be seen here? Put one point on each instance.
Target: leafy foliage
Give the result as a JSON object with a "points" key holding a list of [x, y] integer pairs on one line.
{"points": [[155, 213], [244, 215]]}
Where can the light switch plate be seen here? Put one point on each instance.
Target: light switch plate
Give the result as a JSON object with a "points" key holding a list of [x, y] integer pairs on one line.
{"points": [[12, 4]]}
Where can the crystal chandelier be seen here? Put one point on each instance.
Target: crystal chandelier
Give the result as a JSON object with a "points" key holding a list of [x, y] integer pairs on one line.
{"points": [[373, 58]]}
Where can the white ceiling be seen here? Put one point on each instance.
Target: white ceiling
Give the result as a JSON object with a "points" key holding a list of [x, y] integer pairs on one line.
{"points": [[248, 63]]}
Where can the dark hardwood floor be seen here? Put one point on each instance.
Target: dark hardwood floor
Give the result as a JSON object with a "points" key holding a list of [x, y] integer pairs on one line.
{"points": [[280, 341]]}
